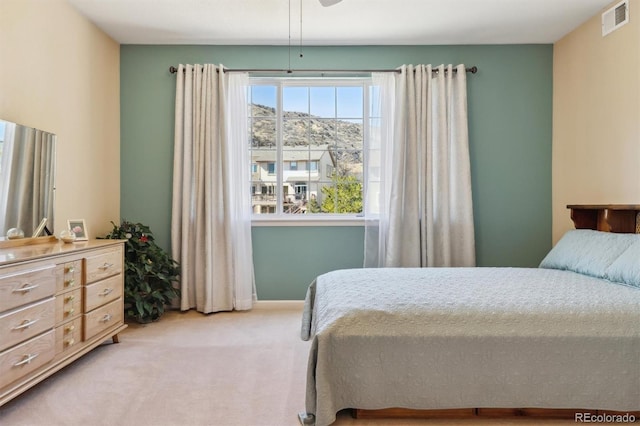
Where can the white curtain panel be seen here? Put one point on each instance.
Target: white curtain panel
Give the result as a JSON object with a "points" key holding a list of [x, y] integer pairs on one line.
{"points": [[378, 170], [211, 215], [423, 197]]}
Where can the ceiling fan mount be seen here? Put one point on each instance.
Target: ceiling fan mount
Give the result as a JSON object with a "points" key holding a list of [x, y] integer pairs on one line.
{"points": [[327, 3]]}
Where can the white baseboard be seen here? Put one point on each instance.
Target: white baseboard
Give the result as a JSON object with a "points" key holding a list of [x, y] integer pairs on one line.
{"points": [[281, 305]]}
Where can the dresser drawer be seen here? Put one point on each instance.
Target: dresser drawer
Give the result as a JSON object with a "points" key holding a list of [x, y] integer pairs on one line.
{"points": [[105, 263], [68, 305], [28, 284], [26, 357], [25, 322], [68, 275], [68, 335], [103, 318], [42, 324], [102, 292]]}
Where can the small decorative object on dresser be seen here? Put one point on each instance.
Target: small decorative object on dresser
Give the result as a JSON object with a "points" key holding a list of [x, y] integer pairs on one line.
{"points": [[15, 233], [57, 302], [79, 228], [68, 236], [150, 273]]}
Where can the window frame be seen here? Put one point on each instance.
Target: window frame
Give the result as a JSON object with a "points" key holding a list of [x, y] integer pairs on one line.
{"points": [[280, 218]]}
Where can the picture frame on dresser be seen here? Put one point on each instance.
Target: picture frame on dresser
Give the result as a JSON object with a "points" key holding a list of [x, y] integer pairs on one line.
{"points": [[79, 227]]}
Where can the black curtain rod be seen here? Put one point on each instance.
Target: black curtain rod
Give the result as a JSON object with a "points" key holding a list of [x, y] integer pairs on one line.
{"points": [[174, 70]]}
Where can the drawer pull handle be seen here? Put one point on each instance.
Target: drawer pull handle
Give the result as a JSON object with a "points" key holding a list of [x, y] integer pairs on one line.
{"points": [[106, 292], [70, 312], [106, 318], [26, 288], [70, 283], [27, 360], [71, 269], [70, 342], [106, 266], [25, 324], [69, 298], [70, 328]]}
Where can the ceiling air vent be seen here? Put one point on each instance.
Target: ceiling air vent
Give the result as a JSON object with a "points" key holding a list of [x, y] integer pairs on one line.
{"points": [[615, 17]]}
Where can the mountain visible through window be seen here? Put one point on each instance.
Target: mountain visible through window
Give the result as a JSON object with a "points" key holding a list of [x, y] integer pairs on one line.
{"points": [[307, 143]]}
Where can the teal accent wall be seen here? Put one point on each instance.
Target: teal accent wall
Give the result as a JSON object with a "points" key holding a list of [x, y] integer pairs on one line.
{"points": [[510, 113], [287, 259]]}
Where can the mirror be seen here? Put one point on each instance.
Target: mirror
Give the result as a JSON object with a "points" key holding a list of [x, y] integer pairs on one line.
{"points": [[27, 173]]}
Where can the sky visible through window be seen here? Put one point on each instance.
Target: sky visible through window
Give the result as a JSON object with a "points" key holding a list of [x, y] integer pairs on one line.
{"points": [[317, 101]]}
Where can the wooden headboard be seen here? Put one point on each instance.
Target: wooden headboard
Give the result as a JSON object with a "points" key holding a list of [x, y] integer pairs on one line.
{"points": [[620, 218]]}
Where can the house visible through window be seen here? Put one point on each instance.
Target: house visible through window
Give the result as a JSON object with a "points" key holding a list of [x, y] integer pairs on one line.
{"points": [[307, 140]]}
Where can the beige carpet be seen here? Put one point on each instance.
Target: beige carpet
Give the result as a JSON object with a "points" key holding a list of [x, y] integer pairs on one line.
{"points": [[192, 369]]}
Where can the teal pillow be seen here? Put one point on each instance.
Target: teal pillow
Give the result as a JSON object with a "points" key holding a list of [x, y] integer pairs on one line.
{"points": [[587, 252], [626, 268]]}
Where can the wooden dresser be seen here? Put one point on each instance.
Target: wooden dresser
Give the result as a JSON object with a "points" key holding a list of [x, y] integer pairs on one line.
{"points": [[57, 302]]}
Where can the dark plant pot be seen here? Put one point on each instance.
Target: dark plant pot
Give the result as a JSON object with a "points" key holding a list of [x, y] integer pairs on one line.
{"points": [[147, 319]]}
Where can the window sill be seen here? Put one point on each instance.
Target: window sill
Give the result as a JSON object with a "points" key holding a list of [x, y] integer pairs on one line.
{"points": [[311, 220]]}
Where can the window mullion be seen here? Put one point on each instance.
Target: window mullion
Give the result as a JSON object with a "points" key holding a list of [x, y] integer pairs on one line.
{"points": [[335, 139], [366, 122], [279, 149]]}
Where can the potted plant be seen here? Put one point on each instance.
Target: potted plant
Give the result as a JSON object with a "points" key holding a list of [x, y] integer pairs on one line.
{"points": [[150, 273]]}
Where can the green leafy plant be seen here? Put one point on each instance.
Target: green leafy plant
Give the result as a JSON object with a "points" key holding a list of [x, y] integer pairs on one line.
{"points": [[344, 197], [150, 273]]}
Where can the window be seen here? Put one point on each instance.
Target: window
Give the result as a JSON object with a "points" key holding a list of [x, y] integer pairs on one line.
{"points": [[254, 168], [300, 128], [301, 190], [328, 170]]}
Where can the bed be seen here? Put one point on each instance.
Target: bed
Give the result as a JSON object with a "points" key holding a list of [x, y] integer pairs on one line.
{"points": [[565, 335]]}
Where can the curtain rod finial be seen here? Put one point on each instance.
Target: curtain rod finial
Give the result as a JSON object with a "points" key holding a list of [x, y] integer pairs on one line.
{"points": [[173, 69]]}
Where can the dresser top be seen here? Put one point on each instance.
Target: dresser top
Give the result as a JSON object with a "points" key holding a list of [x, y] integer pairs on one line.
{"points": [[13, 255]]}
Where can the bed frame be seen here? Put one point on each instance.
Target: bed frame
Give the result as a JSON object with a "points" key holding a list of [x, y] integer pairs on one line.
{"points": [[485, 413], [619, 218]]}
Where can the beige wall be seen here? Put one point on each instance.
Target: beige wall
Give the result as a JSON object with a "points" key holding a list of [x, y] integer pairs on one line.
{"points": [[596, 117], [60, 73]]}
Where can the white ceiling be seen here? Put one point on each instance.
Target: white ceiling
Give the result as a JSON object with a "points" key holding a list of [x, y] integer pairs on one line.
{"points": [[350, 22]]}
